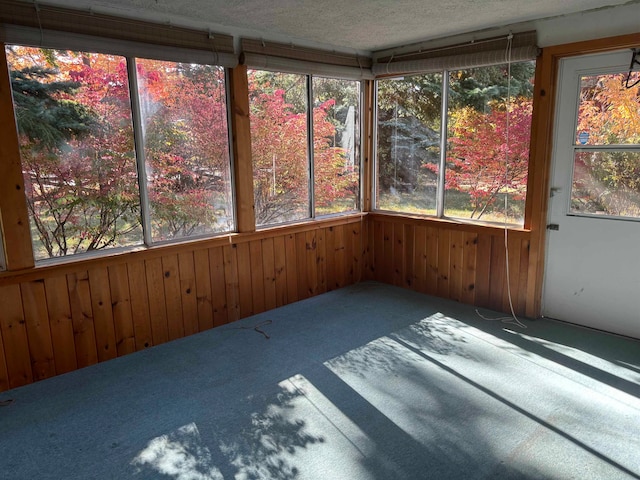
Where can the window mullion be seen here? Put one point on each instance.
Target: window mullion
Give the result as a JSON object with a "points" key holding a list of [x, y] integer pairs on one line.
{"points": [[312, 203], [443, 145], [138, 137]]}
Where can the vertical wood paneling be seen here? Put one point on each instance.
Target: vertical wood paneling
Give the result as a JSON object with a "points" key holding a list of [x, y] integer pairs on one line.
{"points": [[14, 336], [483, 270], [157, 305], [339, 253], [409, 257], [173, 297], [102, 314], [257, 276], [377, 256], [387, 253], [292, 267], [82, 317], [469, 268], [497, 275], [34, 303], [321, 254], [238, 88], [121, 305], [348, 254], [444, 263], [204, 299], [189, 298], [280, 265], [232, 286], [420, 259], [511, 293], [432, 261], [269, 272], [456, 268], [398, 254], [140, 311], [330, 249], [244, 279], [219, 285], [524, 276], [311, 251], [64, 351], [358, 253], [13, 202], [301, 260]]}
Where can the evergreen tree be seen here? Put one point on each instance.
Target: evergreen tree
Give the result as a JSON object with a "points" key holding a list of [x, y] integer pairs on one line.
{"points": [[44, 118]]}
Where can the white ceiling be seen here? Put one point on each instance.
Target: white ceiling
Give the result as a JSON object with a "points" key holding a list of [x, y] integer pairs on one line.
{"points": [[361, 26]]}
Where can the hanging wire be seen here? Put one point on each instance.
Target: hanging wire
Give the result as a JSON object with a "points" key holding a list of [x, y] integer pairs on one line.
{"points": [[513, 319]]}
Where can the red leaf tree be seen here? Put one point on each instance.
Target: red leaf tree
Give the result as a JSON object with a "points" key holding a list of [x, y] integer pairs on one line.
{"points": [[484, 160]]}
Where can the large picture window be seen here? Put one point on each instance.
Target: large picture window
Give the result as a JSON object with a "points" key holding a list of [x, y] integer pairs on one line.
{"points": [[484, 151], [87, 187], [293, 144]]}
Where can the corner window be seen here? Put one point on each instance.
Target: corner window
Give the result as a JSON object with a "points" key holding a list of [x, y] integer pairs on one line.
{"points": [[484, 155], [87, 188], [293, 144]]}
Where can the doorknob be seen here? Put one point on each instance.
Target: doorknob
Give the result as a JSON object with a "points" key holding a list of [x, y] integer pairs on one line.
{"points": [[553, 226]]}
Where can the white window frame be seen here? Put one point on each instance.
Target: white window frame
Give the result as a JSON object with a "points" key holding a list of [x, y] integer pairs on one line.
{"points": [[27, 37], [310, 143], [440, 190]]}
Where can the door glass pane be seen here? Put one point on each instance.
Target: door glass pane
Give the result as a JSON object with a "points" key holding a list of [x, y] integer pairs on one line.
{"points": [[486, 161], [606, 183], [278, 104], [408, 143], [336, 145], [184, 116], [76, 142], [609, 113]]}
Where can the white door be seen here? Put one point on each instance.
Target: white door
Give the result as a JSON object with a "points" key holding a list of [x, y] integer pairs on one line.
{"points": [[592, 270]]}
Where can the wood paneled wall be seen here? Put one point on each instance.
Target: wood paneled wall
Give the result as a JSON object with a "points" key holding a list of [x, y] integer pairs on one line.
{"points": [[466, 263], [59, 318]]}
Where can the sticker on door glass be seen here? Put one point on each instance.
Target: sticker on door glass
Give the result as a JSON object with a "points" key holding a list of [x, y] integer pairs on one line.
{"points": [[583, 138]]}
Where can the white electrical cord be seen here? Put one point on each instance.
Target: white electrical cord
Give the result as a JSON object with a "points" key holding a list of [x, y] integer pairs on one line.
{"points": [[513, 319]]}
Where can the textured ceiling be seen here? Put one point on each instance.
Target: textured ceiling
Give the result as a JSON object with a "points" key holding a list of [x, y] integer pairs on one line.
{"points": [[358, 25]]}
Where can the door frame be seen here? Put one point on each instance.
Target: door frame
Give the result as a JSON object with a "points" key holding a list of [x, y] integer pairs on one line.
{"points": [[542, 135]]}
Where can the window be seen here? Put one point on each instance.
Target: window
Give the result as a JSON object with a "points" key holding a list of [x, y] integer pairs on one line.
{"points": [[184, 118], [606, 169], [287, 153], [87, 185], [484, 161]]}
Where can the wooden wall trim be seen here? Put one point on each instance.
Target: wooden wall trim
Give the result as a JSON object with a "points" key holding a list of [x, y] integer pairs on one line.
{"points": [[538, 180], [586, 47], [14, 215], [368, 147], [433, 222], [241, 143], [105, 258]]}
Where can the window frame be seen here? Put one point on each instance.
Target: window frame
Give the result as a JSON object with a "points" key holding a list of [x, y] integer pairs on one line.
{"points": [[127, 50], [441, 187], [311, 210], [577, 147]]}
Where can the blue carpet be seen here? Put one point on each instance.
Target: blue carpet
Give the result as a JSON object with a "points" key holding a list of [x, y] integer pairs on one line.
{"points": [[367, 382]]}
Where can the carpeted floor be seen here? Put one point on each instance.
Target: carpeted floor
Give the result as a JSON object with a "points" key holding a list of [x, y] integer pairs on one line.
{"points": [[367, 382]]}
